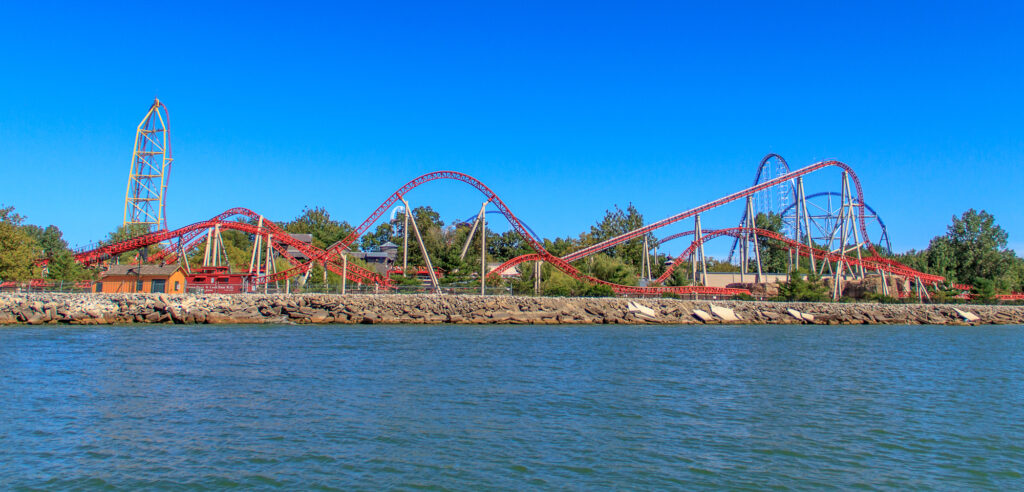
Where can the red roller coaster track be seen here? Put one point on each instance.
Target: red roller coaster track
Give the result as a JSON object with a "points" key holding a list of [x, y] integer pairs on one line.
{"points": [[190, 234], [869, 263], [355, 272], [724, 200], [872, 263]]}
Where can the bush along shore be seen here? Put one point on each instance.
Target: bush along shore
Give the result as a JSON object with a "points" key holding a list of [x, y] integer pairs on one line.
{"points": [[96, 309]]}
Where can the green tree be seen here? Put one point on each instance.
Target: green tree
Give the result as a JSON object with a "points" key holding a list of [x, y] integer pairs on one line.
{"points": [[318, 222], [523, 284], [610, 269], [715, 265], [1015, 277], [18, 251], [616, 223], [556, 283], [973, 249], [385, 232], [984, 290], [596, 290], [808, 289], [430, 226], [238, 249], [448, 261], [507, 245], [560, 246], [977, 249], [680, 276], [61, 264], [774, 257], [126, 232]]}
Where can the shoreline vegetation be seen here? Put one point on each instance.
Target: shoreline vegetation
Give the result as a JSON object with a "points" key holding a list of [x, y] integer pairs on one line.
{"points": [[972, 256], [121, 309]]}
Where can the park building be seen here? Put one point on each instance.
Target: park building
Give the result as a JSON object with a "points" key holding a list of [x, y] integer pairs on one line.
{"points": [[128, 279], [382, 258], [294, 252]]}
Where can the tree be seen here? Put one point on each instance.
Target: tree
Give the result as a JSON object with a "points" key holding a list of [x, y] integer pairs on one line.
{"points": [[18, 250], [609, 269], [507, 245], [430, 226], [679, 277], [977, 247], [972, 250], [556, 283], [774, 257], [51, 240], [61, 264], [596, 290], [1015, 277], [715, 265], [616, 223], [126, 232], [984, 290], [800, 289], [317, 221], [561, 247], [523, 284], [918, 260], [385, 232], [448, 261]]}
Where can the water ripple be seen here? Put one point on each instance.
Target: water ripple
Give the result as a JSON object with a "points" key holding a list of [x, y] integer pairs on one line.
{"points": [[463, 407]]}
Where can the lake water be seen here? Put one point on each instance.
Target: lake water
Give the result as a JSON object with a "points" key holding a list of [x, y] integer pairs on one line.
{"points": [[465, 407]]}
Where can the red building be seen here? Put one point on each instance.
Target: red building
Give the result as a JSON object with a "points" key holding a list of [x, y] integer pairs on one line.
{"points": [[219, 280]]}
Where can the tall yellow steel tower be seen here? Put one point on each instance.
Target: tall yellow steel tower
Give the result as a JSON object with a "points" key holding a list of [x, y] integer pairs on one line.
{"points": [[145, 198]]}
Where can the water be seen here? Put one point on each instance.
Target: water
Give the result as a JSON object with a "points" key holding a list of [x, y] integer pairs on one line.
{"points": [[457, 407]]}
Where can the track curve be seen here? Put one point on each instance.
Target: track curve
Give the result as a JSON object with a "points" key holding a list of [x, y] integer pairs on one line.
{"points": [[355, 272], [885, 233], [722, 201], [870, 263], [329, 256]]}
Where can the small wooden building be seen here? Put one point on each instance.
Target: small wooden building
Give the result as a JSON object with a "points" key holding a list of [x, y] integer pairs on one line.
{"points": [[122, 279]]}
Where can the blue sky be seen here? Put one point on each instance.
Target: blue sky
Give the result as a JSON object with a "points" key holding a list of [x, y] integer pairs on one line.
{"points": [[564, 110]]}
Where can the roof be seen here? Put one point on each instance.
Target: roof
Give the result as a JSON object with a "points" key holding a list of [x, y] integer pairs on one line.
{"points": [[145, 270], [372, 254], [389, 245], [306, 238]]}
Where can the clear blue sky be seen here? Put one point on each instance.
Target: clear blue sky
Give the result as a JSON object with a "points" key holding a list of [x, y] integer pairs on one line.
{"points": [[564, 110]]}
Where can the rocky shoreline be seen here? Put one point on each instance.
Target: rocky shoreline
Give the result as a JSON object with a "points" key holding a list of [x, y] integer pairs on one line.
{"points": [[97, 309]]}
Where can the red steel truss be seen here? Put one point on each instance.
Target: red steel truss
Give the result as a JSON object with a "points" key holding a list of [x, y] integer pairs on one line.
{"points": [[330, 256]]}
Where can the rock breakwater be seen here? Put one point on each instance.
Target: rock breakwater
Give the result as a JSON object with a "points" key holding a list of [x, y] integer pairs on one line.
{"points": [[93, 309]]}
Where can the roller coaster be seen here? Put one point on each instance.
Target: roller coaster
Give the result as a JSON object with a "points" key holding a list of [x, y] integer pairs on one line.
{"points": [[833, 241], [277, 241]]}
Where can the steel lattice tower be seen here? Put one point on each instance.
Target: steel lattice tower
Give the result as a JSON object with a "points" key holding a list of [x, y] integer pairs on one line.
{"points": [[145, 198]]}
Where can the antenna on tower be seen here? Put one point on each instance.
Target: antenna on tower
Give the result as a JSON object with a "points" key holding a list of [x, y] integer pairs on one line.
{"points": [[145, 198]]}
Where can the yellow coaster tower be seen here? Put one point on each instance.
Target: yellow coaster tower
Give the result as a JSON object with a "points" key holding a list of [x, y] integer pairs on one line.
{"points": [[145, 198]]}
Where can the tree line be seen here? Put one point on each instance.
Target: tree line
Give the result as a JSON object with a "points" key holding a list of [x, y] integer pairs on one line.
{"points": [[21, 245], [973, 251]]}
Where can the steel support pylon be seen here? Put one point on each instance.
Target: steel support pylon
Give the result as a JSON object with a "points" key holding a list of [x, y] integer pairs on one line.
{"points": [[146, 196], [423, 249]]}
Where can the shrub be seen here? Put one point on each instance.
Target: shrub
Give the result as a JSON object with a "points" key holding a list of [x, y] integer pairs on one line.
{"points": [[800, 289], [598, 290]]}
